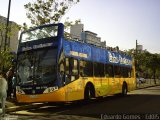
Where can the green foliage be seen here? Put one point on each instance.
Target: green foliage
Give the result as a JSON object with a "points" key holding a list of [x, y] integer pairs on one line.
{"points": [[2, 33], [40, 33], [5, 55], [5, 59], [48, 11], [12, 29], [148, 64]]}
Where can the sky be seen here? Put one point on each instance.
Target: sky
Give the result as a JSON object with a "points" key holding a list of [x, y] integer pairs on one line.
{"points": [[118, 22]]}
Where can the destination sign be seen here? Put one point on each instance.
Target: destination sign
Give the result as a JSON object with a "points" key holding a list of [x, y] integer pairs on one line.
{"points": [[114, 58], [37, 46]]}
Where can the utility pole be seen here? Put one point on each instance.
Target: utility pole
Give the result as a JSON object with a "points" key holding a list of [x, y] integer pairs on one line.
{"points": [[7, 24], [136, 63], [136, 47], [136, 55]]}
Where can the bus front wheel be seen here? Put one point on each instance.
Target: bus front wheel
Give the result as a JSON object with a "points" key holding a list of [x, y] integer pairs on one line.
{"points": [[89, 92]]}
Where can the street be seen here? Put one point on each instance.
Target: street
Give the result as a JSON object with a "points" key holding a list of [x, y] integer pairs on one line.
{"points": [[139, 104]]}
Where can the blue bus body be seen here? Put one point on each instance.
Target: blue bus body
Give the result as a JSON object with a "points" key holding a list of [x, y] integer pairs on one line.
{"points": [[38, 87]]}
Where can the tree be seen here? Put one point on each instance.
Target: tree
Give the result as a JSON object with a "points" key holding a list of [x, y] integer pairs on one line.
{"points": [[13, 27], [5, 59], [5, 55], [154, 64], [48, 11], [147, 64], [2, 34]]}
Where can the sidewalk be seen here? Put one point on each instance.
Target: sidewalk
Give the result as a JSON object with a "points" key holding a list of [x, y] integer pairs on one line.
{"points": [[148, 83], [12, 106]]}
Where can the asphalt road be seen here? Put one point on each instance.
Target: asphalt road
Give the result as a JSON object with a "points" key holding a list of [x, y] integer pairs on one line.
{"points": [[139, 104]]}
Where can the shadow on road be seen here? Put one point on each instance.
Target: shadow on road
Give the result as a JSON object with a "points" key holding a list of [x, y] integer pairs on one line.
{"points": [[139, 104]]}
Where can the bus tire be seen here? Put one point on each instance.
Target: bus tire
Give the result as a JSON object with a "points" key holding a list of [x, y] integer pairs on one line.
{"points": [[124, 89], [89, 91]]}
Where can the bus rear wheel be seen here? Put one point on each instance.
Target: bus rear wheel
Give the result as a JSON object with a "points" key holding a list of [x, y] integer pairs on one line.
{"points": [[124, 89], [89, 92]]}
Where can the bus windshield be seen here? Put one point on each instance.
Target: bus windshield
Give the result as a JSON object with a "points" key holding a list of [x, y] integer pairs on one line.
{"points": [[37, 67], [39, 33]]}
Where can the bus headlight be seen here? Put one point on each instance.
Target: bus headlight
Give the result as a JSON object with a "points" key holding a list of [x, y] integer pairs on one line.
{"points": [[19, 90], [51, 89]]}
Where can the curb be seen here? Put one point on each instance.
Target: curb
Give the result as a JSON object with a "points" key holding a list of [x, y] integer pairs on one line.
{"points": [[146, 86], [23, 107]]}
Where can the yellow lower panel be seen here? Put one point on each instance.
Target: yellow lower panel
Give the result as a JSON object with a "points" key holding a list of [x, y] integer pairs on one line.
{"points": [[71, 96], [75, 90], [56, 96], [132, 84]]}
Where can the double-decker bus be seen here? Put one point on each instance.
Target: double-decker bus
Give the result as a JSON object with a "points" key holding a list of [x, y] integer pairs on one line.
{"points": [[51, 68]]}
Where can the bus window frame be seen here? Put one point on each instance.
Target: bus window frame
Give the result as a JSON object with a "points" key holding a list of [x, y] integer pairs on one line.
{"points": [[98, 74], [70, 76], [109, 73], [82, 68]]}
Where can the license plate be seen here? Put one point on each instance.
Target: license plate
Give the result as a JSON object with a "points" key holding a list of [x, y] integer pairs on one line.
{"points": [[33, 96]]}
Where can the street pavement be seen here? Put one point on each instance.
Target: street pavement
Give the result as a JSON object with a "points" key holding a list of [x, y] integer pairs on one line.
{"points": [[12, 107]]}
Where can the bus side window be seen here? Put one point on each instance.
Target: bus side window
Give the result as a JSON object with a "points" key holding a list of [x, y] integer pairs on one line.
{"points": [[74, 69], [67, 71], [67, 66], [61, 66], [71, 69], [109, 70], [81, 64], [129, 72], [126, 72], [117, 71], [86, 68], [74, 66], [98, 69]]}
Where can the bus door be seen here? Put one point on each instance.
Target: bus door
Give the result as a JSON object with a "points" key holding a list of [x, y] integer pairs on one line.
{"points": [[99, 78], [73, 85], [117, 79], [109, 75]]}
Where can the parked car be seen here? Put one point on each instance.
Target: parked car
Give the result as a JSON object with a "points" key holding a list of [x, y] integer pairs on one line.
{"points": [[141, 80]]}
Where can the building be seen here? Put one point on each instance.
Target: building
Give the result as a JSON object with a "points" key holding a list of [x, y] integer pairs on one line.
{"points": [[76, 30], [92, 38], [12, 39], [140, 49], [103, 44]]}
